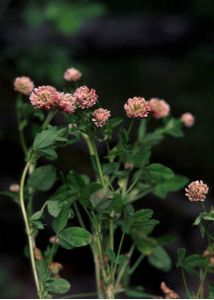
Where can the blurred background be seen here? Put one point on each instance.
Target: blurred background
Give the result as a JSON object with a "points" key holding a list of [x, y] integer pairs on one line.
{"points": [[123, 48]]}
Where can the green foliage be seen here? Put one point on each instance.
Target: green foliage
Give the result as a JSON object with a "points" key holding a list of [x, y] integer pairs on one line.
{"points": [[160, 259], [158, 172], [74, 237], [57, 286], [67, 16], [192, 263], [43, 178], [46, 141], [170, 185]]}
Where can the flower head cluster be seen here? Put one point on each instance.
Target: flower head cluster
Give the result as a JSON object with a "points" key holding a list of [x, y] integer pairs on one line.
{"points": [[197, 191], [24, 85], [44, 97], [187, 119], [137, 107], [100, 117], [72, 74], [67, 102], [159, 108], [85, 97]]}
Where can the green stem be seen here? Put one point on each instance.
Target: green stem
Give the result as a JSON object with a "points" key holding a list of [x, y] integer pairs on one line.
{"points": [[49, 118], [111, 233], [118, 254], [123, 269], [200, 292], [185, 284], [89, 294], [94, 154], [79, 217], [31, 240], [130, 127], [136, 264], [22, 140], [206, 225]]}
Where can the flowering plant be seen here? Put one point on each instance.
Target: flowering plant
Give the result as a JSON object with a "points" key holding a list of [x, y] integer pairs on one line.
{"points": [[103, 205]]}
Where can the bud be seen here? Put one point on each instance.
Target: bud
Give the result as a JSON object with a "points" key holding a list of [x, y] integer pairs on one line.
{"points": [[37, 254], [169, 294], [55, 268], [54, 240], [14, 188], [129, 166]]}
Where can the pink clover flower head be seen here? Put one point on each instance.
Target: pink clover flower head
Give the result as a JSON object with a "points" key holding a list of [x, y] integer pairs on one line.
{"points": [[45, 97], [159, 108], [197, 191], [137, 107], [67, 102], [100, 117], [23, 85], [187, 119], [72, 74], [85, 97]]}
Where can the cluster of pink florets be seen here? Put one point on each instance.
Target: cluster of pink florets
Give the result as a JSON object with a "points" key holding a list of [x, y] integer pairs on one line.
{"points": [[159, 108], [197, 191], [67, 102], [137, 107], [23, 85], [85, 97], [47, 97], [100, 117], [72, 74]]}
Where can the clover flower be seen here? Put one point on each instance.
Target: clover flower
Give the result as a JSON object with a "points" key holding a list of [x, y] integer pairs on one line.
{"points": [[197, 191], [187, 119], [44, 97], [72, 74], [85, 97], [159, 108], [23, 85], [67, 102], [137, 107], [100, 117]]}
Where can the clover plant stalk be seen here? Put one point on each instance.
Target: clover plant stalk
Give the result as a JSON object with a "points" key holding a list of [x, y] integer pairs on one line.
{"points": [[29, 230]]}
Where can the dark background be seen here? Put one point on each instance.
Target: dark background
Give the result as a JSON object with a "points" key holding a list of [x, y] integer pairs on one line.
{"points": [[123, 48]]}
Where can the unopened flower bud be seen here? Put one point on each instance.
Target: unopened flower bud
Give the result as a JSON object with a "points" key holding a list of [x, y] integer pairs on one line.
{"points": [[55, 268], [54, 240], [14, 188], [169, 294], [72, 74], [129, 166], [38, 254], [188, 119]]}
